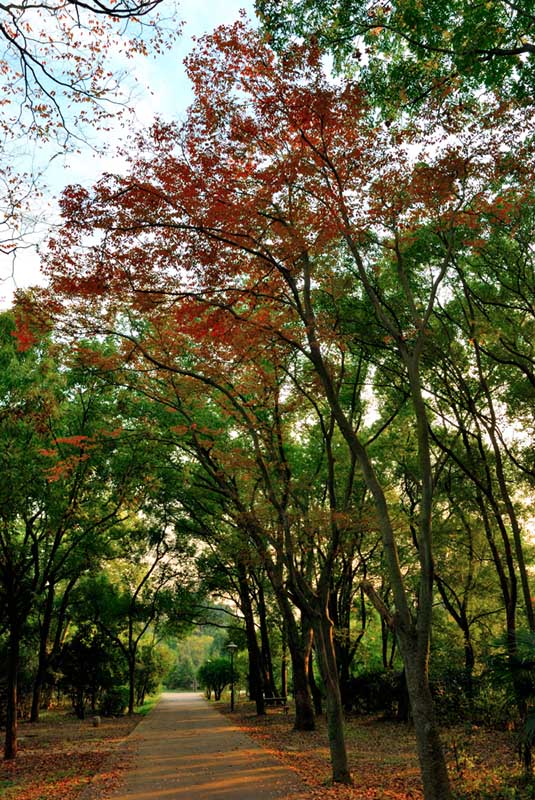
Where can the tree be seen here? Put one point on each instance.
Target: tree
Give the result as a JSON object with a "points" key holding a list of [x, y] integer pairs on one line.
{"points": [[90, 667], [215, 674], [153, 665], [66, 480], [152, 590], [293, 224], [408, 51]]}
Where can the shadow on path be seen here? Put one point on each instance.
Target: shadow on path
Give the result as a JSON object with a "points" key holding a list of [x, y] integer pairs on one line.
{"points": [[185, 750]]}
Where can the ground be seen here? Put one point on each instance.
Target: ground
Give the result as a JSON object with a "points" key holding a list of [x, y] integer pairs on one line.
{"points": [[59, 755], [382, 754]]}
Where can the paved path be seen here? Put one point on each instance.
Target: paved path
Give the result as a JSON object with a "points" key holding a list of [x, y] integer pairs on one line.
{"points": [[185, 750]]}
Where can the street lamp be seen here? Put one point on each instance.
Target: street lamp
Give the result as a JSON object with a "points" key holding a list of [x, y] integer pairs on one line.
{"points": [[232, 647]]}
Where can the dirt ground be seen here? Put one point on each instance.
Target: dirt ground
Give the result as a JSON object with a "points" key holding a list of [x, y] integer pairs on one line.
{"points": [[383, 761], [59, 756]]}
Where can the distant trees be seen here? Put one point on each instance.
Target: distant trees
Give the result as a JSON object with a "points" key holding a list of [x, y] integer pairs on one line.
{"points": [[73, 489], [214, 675]]}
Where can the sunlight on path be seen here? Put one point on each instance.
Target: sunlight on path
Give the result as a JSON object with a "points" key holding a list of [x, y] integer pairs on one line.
{"points": [[185, 750]]}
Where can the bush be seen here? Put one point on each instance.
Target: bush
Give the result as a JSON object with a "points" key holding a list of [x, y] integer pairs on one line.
{"points": [[90, 667], [381, 690], [453, 695], [114, 701]]}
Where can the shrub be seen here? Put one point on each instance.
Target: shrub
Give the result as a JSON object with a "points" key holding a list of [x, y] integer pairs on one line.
{"points": [[114, 701]]}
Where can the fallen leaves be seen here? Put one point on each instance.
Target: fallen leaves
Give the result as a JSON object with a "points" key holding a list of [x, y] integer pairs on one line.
{"points": [[382, 757], [60, 756]]}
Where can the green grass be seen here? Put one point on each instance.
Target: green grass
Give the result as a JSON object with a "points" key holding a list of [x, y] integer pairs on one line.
{"points": [[148, 705]]}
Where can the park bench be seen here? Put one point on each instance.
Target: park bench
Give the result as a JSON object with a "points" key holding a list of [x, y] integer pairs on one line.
{"points": [[277, 701]]}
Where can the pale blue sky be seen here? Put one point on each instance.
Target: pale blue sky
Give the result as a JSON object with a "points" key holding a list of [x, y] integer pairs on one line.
{"points": [[163, 89]]}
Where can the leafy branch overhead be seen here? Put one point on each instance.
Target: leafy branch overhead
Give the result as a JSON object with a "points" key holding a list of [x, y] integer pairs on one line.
{"points": [[407, 50]]}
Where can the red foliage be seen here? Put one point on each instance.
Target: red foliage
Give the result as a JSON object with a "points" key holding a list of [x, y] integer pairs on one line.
{"points": [[227, 228]]}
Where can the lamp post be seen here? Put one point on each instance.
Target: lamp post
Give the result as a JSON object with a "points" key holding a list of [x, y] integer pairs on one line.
{"points": [[232, 647]]}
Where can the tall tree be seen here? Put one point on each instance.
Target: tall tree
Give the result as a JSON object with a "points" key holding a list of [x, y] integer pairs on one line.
{"points": [[292, 223]]}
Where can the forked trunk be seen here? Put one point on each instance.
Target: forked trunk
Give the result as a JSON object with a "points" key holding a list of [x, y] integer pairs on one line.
{"points": [[299, 650]]}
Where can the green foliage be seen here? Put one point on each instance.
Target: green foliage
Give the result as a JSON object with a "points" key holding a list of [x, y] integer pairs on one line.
{"points": [[404, 50], [114, 701], [91, 666], [152, 664], [182, 675], [215, 674]]}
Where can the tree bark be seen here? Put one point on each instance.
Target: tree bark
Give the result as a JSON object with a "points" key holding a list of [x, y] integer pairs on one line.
{"points": [[284, 662], [304, 712], [44, 634], [267, 665], [323, 637], [430, 753], [256, 684], [13, 656], [315, 690], [131, 683]]}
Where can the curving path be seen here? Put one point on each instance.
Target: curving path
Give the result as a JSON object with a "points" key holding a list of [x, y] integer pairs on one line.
{"points": [[185, 750]]}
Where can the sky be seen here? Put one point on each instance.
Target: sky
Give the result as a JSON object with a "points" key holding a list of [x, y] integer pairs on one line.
{"points": [[162, 89]]}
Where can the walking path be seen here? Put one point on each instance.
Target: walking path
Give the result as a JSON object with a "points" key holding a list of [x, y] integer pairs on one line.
{"points": [[185, 750]]}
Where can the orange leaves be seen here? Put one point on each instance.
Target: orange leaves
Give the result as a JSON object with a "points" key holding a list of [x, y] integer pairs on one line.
{"points": [[61, 756], [65, 467], [67, 462], [277, 178], [76, 441], [24, 336]]}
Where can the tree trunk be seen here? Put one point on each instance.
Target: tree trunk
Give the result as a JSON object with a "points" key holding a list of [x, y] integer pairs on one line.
{"points": [[131, 683], [323, 637], [267, 665], [13, 655], [256, 684], [430, 753], [44, 633], [304, 712], [36, 693], [284, 662], [315, 690]]}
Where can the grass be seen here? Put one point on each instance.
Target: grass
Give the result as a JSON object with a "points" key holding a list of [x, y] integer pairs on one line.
{"points": [[148, 705]]}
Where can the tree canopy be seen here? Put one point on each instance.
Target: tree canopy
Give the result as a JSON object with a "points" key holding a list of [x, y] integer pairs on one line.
{"points": [[295, 338]]}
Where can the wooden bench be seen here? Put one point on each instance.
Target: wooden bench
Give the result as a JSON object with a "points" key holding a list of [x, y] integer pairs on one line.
{"points": [[277, 701]]}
